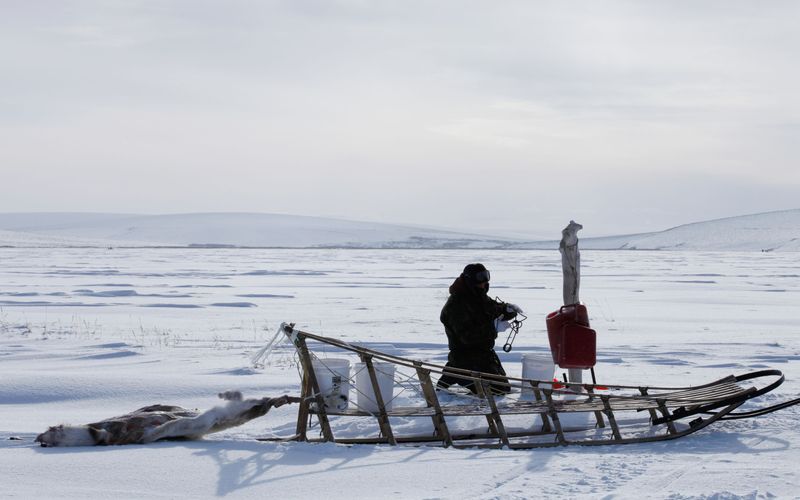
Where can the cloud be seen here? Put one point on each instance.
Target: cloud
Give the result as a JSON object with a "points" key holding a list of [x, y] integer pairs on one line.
{"points": [[405, 112]]}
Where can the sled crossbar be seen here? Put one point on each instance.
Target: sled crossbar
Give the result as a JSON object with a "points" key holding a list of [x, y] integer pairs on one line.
{"points": [[548, 415]]}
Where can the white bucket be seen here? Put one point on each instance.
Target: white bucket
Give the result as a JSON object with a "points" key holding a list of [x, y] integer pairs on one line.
{"points": [[384, 372], [333, 378], [536, 366]]}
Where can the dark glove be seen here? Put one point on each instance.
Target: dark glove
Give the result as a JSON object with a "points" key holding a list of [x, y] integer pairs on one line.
{"points": [[510, 311], [508, 315]]}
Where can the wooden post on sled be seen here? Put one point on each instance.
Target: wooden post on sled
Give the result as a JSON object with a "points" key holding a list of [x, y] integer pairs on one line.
{"points": [[571, 269]]}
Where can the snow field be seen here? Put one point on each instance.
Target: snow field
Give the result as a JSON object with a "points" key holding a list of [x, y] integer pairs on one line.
{"points": [[86, 334]]}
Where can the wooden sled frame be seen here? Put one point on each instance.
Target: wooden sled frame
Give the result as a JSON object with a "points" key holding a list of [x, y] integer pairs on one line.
{"points": [[617, 411]]}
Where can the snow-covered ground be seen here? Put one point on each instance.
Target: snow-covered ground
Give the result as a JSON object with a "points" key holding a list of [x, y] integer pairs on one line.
{"points": [[89, 333]]}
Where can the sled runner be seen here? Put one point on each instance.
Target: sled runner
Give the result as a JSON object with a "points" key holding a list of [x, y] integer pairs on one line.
{"points": [[393, 392]]}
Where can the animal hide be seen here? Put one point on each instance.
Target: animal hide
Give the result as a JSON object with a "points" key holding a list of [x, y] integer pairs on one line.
{"points": [[155, 422]]}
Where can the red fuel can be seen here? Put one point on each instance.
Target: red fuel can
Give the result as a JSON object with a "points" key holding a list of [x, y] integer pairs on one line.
{"points": [[572, 343]]}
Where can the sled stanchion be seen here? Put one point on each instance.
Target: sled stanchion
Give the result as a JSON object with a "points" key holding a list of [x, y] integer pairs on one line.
{"points": [[308, 368], [548, 394], [485, 391], [653, 415], [598, 414], [478, 384], [664, 411], [611, 419], [302, 410], [305, 387], [432, 401], [383, 418], [537, 394]]}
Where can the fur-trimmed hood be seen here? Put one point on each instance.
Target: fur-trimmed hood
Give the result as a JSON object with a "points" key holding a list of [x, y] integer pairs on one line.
{"points": [[461, 287]]}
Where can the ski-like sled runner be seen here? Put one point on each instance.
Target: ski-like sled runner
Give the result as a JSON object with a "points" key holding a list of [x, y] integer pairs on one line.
{"points": [[537, 413]]}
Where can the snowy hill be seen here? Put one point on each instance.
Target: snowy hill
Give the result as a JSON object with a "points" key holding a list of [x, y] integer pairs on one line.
{"points": [[227, 229], [770, 231], [778, 231]]}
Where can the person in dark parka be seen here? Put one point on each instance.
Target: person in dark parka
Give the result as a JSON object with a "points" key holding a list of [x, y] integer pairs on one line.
{"points": [[471, 321]]}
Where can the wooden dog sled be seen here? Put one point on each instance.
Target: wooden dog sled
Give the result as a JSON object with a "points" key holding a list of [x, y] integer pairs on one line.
{"points": [[536, 414]]}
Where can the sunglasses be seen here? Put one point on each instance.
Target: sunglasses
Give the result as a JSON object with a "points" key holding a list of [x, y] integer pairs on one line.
{"points": [[481, 277]]}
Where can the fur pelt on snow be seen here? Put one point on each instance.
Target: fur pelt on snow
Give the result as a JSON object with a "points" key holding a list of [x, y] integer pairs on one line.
{"points": [[155, 422]]}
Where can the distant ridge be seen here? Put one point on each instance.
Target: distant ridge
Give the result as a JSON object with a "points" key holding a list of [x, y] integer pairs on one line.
{"points": [[770, 231], [767, 232], [230, 230]]}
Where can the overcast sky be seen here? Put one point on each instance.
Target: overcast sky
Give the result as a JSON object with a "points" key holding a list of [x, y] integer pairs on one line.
{"points": [[504, 116]]}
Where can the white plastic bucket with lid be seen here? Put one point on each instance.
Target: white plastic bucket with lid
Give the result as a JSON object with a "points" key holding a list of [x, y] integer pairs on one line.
{"points": [[536, 366], [365, 396], [333, 378]]}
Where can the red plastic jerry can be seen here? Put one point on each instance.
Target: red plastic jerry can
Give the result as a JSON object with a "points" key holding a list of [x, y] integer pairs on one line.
{"points": [[572, 343]]}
